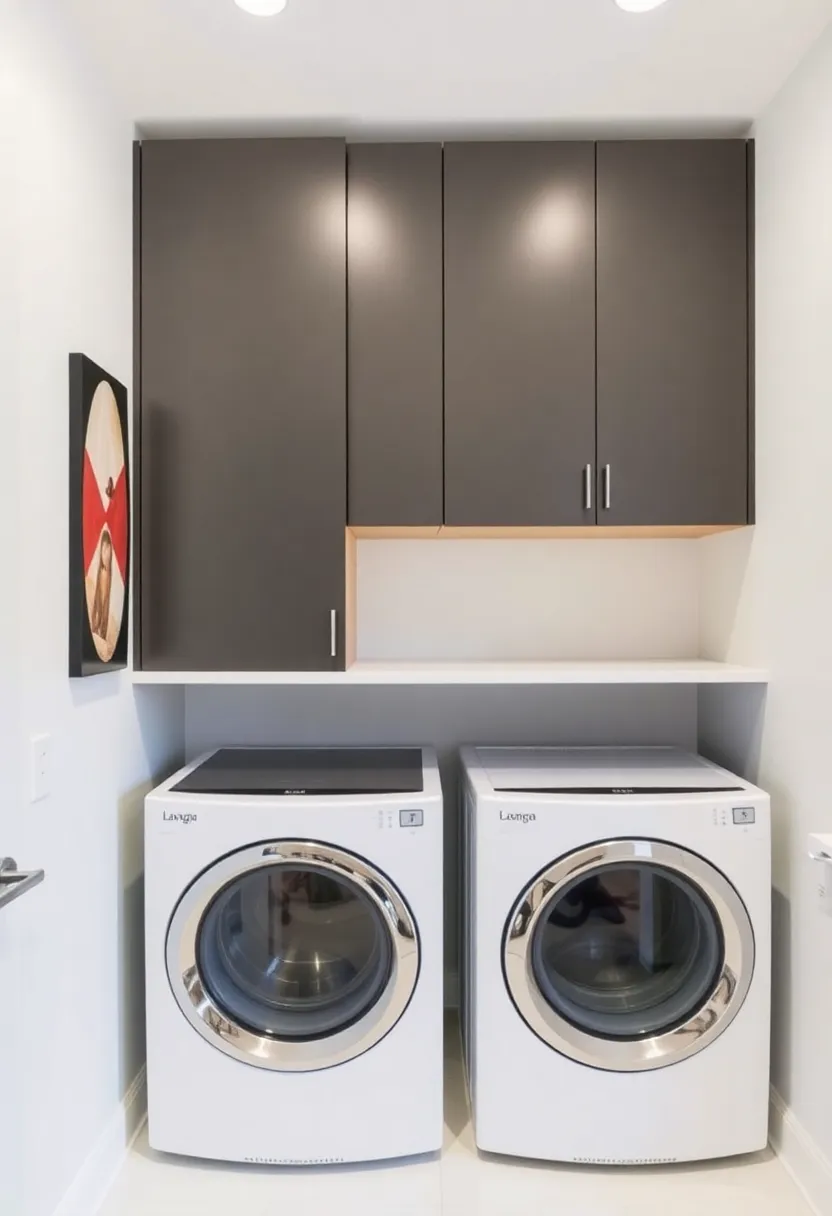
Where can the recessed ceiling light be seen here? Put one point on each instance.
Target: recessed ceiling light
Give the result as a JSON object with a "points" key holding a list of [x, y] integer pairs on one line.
{"points": [[631, 6], [261, 8]]}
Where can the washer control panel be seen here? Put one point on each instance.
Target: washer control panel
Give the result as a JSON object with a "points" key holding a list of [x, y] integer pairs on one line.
{"points": [[735, 816], [405, 819], [744, 814], [411, 819]]}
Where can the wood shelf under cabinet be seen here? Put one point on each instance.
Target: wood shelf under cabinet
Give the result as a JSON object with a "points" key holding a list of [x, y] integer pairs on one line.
{"points": [[582, 532]]}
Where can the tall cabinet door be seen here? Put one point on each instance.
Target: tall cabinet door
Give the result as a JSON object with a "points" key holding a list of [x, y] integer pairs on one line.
{"points": [[519, 333], [243, 404], [394, 257], [673, 389]]}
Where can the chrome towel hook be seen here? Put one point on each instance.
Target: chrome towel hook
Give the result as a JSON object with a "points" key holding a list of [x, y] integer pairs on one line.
{"points": [[14, 882]]}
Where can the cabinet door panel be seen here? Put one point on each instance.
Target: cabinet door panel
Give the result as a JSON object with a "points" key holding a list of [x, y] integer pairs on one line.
{"points": [[673, 331], [519, 332], [394, 255], [244, 403]]}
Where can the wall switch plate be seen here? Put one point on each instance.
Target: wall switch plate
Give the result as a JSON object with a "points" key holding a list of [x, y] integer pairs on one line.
{"points": [[40, 766]]}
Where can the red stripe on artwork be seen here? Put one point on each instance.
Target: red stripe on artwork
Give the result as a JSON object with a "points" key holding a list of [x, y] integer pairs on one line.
{"points": [[95, 515], [93, 511], [118, 519]]}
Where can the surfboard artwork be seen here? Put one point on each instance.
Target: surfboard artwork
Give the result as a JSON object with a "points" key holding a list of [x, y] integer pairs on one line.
{"points": [[99, 520]]}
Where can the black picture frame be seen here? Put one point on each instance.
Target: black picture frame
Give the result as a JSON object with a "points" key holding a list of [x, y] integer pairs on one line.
{"points": [[108, 559]]}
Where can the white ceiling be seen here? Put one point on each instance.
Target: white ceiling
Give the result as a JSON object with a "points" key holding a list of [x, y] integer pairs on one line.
{"points": [[374, 65]]}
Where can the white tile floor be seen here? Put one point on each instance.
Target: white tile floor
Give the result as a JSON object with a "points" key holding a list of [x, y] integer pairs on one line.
{"points": [[460, 1184]]}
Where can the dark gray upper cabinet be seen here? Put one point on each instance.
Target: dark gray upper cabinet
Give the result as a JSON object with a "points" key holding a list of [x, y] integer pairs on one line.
{"points": [[394, 255], [243, 403], [673, 300], [519, 333]]}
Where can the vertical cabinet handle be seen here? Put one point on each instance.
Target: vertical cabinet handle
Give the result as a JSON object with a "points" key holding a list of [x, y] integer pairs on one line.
{"points": [[588, 487], [607, 487], [333, 633]]}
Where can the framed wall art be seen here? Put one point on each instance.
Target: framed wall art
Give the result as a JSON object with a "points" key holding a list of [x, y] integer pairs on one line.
{"points": [[99, 520]]}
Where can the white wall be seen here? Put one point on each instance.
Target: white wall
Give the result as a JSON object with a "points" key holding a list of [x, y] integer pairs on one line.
{"points": [[769, 596], [11, 974], [528, 599], [80, 1033]]}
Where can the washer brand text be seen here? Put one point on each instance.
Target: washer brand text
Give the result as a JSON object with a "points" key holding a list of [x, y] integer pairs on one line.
{"points": [[178, 817], [518, 816]]}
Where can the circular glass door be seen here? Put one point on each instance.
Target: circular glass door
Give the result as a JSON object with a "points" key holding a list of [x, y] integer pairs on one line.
{"points": [[629, 955], [292, 956], [294, 951]]}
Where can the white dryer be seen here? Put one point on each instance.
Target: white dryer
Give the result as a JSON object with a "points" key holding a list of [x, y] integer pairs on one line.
{"points": [[617, 955], [294, 956]]}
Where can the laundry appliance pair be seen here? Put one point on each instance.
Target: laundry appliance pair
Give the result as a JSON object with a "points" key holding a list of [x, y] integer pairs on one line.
{"points": [[615, 961]]}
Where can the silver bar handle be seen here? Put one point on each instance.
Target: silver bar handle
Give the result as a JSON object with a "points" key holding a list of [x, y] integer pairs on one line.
{"points": [[333, 633], [588, 487], [607, 487], [14, 882]]}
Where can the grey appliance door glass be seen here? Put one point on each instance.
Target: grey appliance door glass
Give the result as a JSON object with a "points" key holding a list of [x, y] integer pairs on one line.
{"points": [[629, 955], [628, 951], [294, 952]]}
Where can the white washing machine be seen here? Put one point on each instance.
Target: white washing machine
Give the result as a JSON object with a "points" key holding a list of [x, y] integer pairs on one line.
{"points": [[294, 956], [617, 955]]}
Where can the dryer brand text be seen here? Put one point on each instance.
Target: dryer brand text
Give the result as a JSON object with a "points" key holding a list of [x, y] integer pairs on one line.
{"points": [[518, 816], [178, 817]]}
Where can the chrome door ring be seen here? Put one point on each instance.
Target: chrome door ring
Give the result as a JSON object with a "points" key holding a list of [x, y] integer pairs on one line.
{"points": [[264, 1051], [657, 1051]]}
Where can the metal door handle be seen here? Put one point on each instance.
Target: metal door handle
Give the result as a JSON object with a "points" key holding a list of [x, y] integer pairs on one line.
{"points": [[14, 882], [588, 487], [333, 633], [607, 487]]}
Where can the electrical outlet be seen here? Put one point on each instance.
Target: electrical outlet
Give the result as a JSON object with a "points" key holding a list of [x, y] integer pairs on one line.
{"points": [[40, 766]]}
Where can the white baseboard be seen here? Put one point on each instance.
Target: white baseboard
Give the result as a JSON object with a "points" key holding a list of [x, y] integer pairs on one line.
{"points": [[94, 1179], [808, 1166]]}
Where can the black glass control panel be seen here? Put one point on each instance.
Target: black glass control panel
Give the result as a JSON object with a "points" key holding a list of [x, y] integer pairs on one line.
{"points": [[307, 770]]}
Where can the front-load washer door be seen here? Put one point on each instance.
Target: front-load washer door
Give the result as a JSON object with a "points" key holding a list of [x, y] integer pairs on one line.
{"points": [[292, 955], [629, 955]]}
